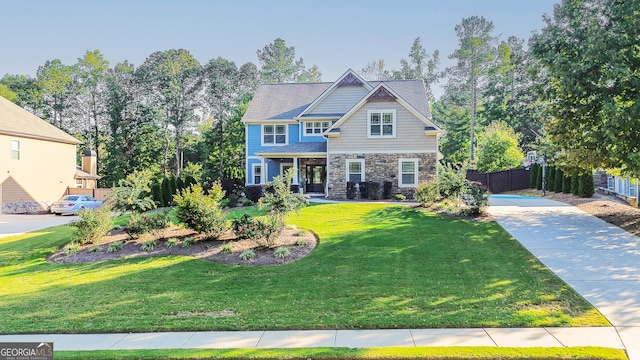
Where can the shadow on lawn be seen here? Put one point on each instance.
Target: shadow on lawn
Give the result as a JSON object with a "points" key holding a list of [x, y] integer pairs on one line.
{"points": [[375, 267]]}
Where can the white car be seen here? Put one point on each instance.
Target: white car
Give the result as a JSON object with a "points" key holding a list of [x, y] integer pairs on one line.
{"points": [[71, 204]]}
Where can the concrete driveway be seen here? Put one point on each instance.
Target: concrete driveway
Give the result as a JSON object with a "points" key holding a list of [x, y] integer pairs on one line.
{"points": [[599, 260], [20, 224]]}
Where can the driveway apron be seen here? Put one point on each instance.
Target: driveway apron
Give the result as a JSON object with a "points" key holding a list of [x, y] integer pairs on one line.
{"points": [[599, 260]]}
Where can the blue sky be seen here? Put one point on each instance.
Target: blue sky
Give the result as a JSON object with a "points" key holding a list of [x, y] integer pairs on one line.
{"points": [[335, 35]]}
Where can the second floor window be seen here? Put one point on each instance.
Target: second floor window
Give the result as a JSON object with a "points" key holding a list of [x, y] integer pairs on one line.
{"points": [[316, 127], [274, 134], [382, 123], [15, 150]]}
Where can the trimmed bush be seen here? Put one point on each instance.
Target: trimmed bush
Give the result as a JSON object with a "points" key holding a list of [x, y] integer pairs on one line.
{"points": [[156, 193], [558, 180], [201, 212], [253, 192], [551, 178], [539, 178], [533, 175], [351, 190], [247, 227], [364, 190], [585, 185], [476, 197], [574, 182], [167, 195], [374, 190], [179, 184], [566, 183]]}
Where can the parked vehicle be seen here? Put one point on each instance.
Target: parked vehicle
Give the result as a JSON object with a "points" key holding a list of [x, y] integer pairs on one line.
{"points": [[72, 204]]}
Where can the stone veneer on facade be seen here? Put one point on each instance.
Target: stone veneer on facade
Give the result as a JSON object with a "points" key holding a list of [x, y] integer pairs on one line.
{"points": [[378, 168]]}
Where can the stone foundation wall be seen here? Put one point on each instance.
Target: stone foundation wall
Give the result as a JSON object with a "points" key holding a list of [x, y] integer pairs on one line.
{"points": [[378, 168], [26, 207]]}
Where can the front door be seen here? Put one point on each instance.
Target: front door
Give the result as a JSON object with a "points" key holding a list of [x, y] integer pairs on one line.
{"points": [[315, 178]]}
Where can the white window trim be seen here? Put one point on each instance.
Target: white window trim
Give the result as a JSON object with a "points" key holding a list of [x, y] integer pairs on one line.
{"points": [[18, 150], [369, 112], [283, 164], [416, 173], [253, 173], [362, 162], [322, 129], [286, 135]]}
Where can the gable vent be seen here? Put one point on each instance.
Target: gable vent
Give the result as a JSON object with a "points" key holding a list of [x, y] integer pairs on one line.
{"points": [[350, 80], [381, 94]]}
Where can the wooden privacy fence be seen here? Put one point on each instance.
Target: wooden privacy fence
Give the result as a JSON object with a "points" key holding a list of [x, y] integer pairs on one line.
{"points": [[501, 181], [100, 194]]}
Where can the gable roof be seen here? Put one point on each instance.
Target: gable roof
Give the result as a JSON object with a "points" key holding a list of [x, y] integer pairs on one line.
{"points": [[17, 121], [282, 101], [292, 100], [385, 92]]}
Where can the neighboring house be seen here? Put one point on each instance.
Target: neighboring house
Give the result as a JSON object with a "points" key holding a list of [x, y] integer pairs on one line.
{"points": [[349, 130], [624, 187], [37, 161]]}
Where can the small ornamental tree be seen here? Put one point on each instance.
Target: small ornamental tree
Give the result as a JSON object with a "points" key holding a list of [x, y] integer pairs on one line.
{"points": [[575, 176], [585, 184], [200, 212], [279, 202], [551, 178], [558, 180], [133, 193], [533, 175], [566, 183]]}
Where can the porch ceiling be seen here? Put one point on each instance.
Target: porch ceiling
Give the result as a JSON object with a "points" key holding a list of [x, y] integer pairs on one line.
{"points": [[301, 150]]}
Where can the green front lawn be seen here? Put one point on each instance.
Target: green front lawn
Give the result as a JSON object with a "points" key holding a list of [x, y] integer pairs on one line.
{"points": [[376, 267]]}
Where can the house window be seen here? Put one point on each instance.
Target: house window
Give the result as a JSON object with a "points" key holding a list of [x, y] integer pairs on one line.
{"points": [[316, 128], [611, 183], [633, 188], [284, 167], [274, 134], [15, 150], [407, 172], [355, 170], [257, 174], [381, 123]]}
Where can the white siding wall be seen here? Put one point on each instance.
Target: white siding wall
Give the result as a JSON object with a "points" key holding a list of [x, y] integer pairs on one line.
{"points": [[410, 134], [340, 100]]}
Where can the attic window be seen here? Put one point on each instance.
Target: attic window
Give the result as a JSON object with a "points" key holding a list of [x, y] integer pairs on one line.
{"points": [[316, 128], [15, 150]]}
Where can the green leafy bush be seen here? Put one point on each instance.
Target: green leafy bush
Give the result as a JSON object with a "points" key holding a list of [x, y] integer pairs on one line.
{"points": [[575, 176], [551, 178], [140, 224], [557, 186], [533, 175], [133, 193], [247, 202], [452, 181], [400, 197], [301, 242], [282, 252], [115, 246], [428, 192], [188, 242], [253, 192], [92, 225], [248, 227], [476, 197], [248, 255], [201, 212], [566, 184], [351, 190], [95, 249], [585, 185]]}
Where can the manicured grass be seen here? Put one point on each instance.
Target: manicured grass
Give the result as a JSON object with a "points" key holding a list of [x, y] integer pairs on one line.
{"points": [[434, 353], [376, 267]]}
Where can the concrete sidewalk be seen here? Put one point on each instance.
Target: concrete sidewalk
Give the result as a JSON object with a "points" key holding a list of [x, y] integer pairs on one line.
{"points": [[532, 337], [11, 225], [599, 260]]}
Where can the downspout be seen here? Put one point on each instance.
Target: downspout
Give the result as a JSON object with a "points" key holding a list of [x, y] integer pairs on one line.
{"points": [[246, 154], [327, 177]]}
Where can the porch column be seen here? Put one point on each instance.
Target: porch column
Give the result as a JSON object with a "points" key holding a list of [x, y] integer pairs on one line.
{"points": [[265, 172], [296, 174]]}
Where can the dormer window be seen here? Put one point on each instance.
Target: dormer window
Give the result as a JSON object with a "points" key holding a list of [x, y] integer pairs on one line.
{"points": [[316, 128], [381, 123], [274, 134]]}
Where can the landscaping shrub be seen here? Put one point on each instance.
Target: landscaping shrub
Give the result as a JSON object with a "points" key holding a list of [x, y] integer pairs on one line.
{"points": [[247, 255], [451, 181], [253, 192], [282, 252], [351, 190], [189, 180], [566, 183], [248, 227], [201, 212], [575, 175], [387, 186], [364, 190], [92, 225], [585, 185], [374, 190], [476, 197], [539, 178], [136, 225], [533, 175], [155, 223], [400, 197], [179, 184], [172, 243], [247, 202], [233, 200], [133, 193], [226, 249], [428, 192], [558, 180], [551, 178], [156, 193], [167, 195], [149, 245], [115, 246], [71, 249]]}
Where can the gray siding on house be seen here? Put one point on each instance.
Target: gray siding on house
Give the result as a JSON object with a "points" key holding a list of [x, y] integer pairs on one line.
{"points": [[410, 135], [340, 100]]}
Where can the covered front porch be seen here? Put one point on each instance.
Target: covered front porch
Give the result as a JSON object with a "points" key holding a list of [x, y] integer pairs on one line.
{"points": [[308, 158]]}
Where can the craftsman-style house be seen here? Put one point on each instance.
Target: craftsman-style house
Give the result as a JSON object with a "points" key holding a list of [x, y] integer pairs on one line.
{"points": [[351, 130]]}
